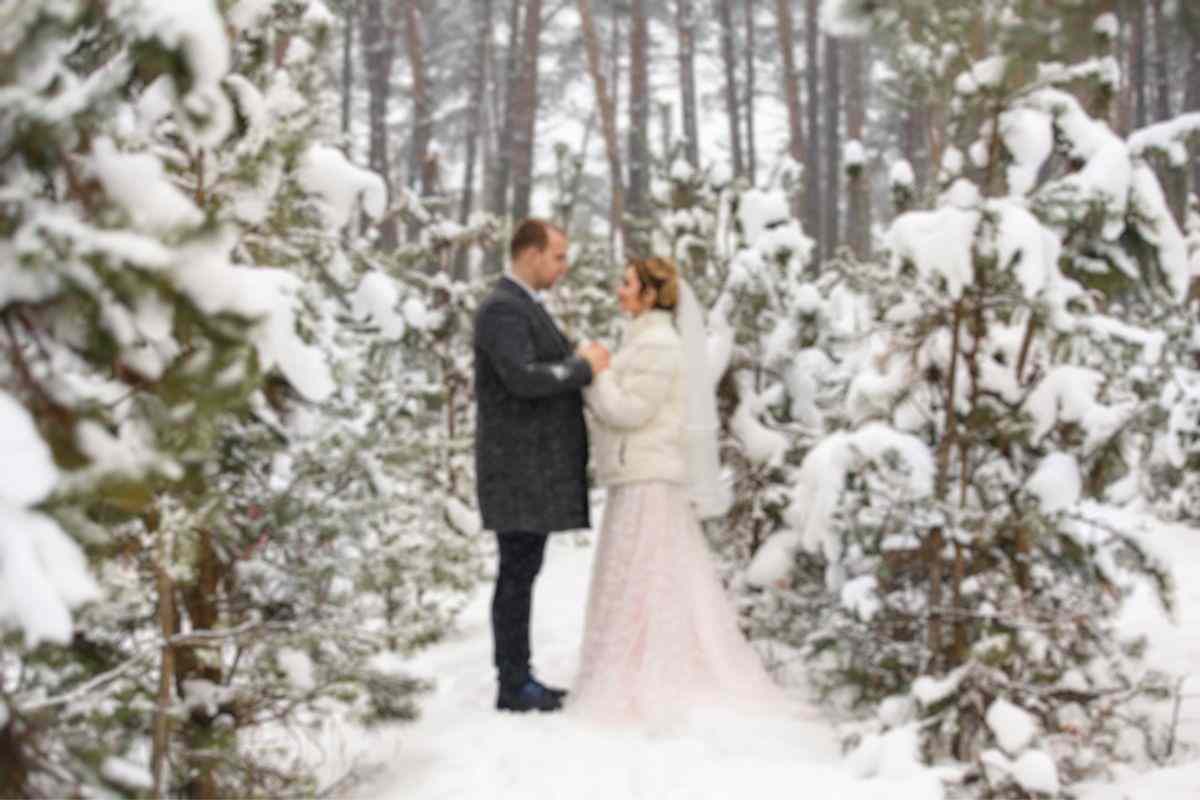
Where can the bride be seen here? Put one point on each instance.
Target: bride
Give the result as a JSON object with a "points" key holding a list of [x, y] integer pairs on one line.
{"points": [[660, 635]]}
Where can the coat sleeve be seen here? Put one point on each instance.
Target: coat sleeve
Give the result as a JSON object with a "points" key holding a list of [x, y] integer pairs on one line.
{"points": [[629, 399], [502, 333]]}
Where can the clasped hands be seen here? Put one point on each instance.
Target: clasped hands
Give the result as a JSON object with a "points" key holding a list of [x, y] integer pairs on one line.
{"points": [[596, 355]]}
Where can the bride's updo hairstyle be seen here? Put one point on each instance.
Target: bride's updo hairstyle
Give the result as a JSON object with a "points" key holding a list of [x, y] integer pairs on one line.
{"points": [[661, 275]]}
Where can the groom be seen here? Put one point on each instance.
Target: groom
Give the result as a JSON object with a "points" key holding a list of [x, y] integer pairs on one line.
{"points": [[531, 448]]}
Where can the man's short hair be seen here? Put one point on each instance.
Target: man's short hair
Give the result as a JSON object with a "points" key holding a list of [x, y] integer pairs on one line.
{"points": [[532, 232]]}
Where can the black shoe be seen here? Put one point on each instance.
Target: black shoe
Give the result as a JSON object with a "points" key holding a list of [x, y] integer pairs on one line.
{"points": [[559, 693], [529, 696]]}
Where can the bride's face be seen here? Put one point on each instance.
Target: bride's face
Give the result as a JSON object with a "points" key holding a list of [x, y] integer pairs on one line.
{"points": [[631, 296]]}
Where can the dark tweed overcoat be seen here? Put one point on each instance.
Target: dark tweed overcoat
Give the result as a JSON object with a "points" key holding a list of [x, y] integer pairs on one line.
{"points": [[531, 449]]}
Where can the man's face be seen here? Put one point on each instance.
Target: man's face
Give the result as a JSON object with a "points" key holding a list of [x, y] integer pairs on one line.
{"points": [[550, 264]]}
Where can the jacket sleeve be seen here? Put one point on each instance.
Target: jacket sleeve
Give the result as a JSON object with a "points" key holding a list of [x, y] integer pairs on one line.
{"points": [[502, 333], [629, 399]]}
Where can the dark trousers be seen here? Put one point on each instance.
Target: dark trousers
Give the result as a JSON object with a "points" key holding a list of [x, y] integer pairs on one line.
{"points": [[521, 557]]}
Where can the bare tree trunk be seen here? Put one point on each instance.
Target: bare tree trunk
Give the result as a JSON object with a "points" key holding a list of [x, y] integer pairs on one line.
{"points": [[1138, 56], [527, 107], [348, 71], [200, 597], [166, 669], [751, 150], [1162, 50], [504, 149], [729, 57], [608, 120], [483, 32], [639, 113], [421, 172], [912, 141], [833, 150], [858, 189], [686, 24], [1189, 15], [812, 156], [791, 93], [378, 47], [618, 228]]}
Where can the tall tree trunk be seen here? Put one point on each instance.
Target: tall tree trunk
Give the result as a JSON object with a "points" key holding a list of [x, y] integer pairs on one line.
{"points": [[378, 46], [618, 229], [639, 114], [833, 150], [791, 94], [200, 597], [1189, 15], [751, 150], [1141, 112], [348, 71], [421, 168], [858, 188], [527, 107], [608, 116], [1162, 51], [686, 23], [1174, 179], [483, 34], [812, 155], [504, 148], [729, 58]]}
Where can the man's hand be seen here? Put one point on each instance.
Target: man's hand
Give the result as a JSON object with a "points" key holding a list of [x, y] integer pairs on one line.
{"points": [[596, 355]]}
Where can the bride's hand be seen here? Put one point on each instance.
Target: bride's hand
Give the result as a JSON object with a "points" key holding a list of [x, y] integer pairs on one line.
{"points": [[596, 355]]}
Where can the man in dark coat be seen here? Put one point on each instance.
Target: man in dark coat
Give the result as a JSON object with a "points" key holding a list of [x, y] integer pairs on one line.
{"points": [[531, 449]]}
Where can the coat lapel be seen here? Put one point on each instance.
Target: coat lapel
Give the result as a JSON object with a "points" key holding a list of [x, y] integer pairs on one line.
{"points": [[538, 311]]}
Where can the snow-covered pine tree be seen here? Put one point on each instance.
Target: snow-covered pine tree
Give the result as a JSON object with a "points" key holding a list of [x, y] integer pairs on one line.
{"points": [[179, 286], [966, 501]]}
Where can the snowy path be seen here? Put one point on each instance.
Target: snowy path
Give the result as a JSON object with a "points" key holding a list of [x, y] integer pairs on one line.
{"points": [[461, 749]]}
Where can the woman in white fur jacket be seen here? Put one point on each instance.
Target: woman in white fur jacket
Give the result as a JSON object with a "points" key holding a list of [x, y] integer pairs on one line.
{"points": [[660, 637]]}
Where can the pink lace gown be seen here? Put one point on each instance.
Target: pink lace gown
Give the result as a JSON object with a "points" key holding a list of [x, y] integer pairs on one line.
{"points": [[661, 637]]}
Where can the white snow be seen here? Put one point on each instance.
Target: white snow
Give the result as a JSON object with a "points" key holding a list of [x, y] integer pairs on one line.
{"points": [[929, 691], [25, 461], [466, 520], [1107, 24], [758, 209], [249, 14], [138, 182], [848, 19], [859, 595], [984, 74], [902, 174], [853, 154], [1013, 726], [774, 559], [1036, 771], [936, 242], [1056, 483], [1028, 135], [461, 748], [325, 172], [297, 667], [819, 484], [197, 27], [376, 299], [126, 773], [43, 573]]}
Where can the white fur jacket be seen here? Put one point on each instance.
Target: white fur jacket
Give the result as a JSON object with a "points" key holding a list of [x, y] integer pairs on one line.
{"points": [[636, 419]]}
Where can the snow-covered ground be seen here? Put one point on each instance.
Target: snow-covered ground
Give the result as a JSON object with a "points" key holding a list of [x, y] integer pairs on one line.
{"points": [[461, 749], [1174, 646]]}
